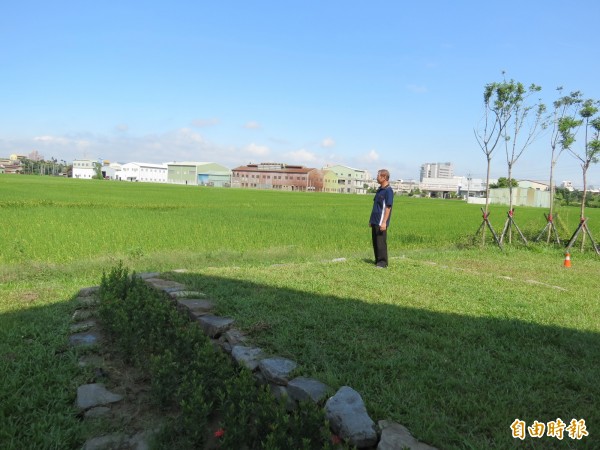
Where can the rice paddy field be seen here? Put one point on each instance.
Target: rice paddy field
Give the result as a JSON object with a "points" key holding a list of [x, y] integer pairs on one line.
{"points": [[455, 340]]}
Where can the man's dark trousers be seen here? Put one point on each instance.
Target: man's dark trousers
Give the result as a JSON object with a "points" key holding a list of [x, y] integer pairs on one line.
{"points": [[379, 246]]}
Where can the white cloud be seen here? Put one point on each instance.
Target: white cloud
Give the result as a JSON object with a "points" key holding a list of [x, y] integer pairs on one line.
{"points": [[257, 150], [252, 125], [185, 136], [50, 140], [177, 145], [371, 157], [61, 142], [122, 128], [327, 143], [301, 156]]}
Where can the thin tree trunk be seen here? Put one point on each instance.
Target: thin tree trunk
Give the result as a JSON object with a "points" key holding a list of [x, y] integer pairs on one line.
{"points": [[552, 190], [510, 202], [487, 197], [582, 218]]}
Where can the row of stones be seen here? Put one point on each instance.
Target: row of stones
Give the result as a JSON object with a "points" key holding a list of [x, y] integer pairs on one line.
{"points": [[94, 399], [345, 410]]}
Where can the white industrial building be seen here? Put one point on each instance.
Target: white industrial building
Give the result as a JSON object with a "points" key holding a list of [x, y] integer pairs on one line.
{"points": [[144, 172]]}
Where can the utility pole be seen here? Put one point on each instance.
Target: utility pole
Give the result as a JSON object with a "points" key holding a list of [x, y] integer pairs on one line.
{"points": [[468, 186]]}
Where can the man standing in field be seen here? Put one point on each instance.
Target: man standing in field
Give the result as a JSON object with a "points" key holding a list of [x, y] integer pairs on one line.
{"points": [[380, 218]]}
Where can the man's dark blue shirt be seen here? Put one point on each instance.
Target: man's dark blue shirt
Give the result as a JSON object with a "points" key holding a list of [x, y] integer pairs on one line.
{"points": [[384, 198]]}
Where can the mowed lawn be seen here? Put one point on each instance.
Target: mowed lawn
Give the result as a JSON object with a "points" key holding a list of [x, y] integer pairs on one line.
{"points": [[453, 340]]}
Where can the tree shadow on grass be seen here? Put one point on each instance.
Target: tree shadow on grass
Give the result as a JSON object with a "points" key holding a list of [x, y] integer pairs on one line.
{"points": [[38, 378], [455, 381]]}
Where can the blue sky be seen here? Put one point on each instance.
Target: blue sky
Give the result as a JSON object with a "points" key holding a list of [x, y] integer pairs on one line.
{"points": [[368, 84]]}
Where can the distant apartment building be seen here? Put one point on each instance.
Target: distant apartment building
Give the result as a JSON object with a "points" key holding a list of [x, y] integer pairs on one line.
{"points": [[144, 172], [84, 168], [402, 185], [473, 187], [350, 180], [199, 174], [437, 170], [278, 176], [12, 164], [330, 181], [441, 187]]}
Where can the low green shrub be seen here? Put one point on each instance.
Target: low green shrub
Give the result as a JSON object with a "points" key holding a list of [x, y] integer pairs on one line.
{"points": [[252, 418], [200, 383]]}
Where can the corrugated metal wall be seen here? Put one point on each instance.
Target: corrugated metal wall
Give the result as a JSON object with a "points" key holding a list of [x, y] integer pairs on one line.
{"points": [[521, 197]]}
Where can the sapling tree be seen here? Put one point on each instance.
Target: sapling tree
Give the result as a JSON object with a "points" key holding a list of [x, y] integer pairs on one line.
{"points": [[565, 108], [503, 105], [568, 127], [590, 153], [489, 130], [523, 126]]}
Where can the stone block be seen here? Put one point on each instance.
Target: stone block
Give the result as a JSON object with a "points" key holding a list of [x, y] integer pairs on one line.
{"points": [[88, 291], [214, 326], [394, 436], [186, 294], [167, 286], [304, 389], [348, 418], [92, 395], [248, 357], [83, 314], [277, 370], [82, 326], [84, 339], [235, 337], [87, 302], [196, 307], [146, 275]]}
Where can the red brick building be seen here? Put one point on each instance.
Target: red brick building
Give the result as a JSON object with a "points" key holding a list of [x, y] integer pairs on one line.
{"points": [[279, 176]]}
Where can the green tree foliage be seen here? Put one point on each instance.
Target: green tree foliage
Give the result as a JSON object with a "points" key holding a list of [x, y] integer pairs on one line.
{"points": [[565, 109], [524, 123], [503, 182], [52, 166], [565, 197], [505, 116], [568, 128], [98, 171]]}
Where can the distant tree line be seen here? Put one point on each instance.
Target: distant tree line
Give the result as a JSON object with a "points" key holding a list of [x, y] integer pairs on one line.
{"points": [[35, 164], [565, 197]]}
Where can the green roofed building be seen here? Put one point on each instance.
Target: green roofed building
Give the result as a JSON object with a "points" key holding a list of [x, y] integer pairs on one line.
{"points": [[199, 173]]}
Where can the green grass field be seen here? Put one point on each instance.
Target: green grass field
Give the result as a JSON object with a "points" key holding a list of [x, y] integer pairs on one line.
{"points": [[453, 340]]}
